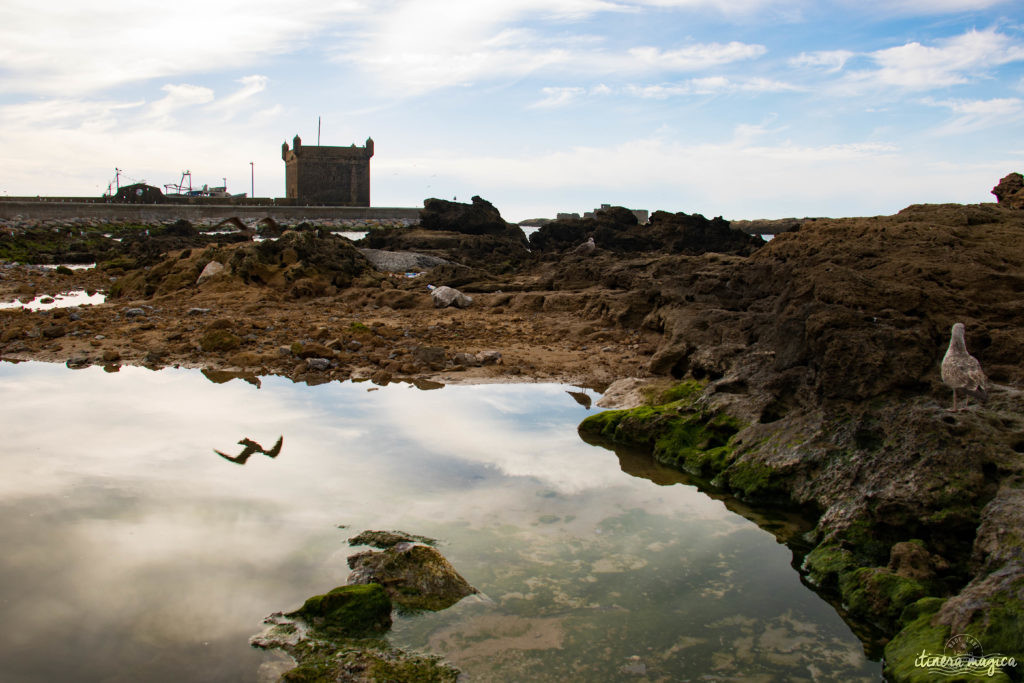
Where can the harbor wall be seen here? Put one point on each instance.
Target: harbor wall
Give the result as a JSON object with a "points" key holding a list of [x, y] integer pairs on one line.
{"points": [[72, 207]]}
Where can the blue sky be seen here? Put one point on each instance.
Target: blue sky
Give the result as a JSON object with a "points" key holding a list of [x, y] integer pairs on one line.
{"points": [[740, 108]]}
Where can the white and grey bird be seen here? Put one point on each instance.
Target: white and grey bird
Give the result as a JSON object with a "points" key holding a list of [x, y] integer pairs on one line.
{"points": [[961, 371], [585, 248]]}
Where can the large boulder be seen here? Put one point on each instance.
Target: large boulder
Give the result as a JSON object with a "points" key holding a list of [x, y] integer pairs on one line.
{"points": [[478, 218]]}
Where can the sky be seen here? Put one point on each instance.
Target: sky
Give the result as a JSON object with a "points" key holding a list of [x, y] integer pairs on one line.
{"points": [[739, 108]]}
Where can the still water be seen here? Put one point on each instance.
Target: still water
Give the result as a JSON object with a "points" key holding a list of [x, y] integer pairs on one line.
{"points": [[133, 551]]}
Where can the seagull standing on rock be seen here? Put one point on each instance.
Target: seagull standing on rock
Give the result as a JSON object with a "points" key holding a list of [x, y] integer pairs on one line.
{"points": [[961, 371], [585, 248]]}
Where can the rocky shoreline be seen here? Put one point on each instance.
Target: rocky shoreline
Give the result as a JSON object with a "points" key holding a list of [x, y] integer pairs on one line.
{"points": [[802, 372]]}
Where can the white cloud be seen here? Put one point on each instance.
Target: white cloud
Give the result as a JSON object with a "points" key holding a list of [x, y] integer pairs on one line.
{"points": [[830, 60], [694, 57], [71, 47], [922, 7], [415, 47], [974, 115], [559, 97], [951, 61], [711, 85], [177, 97], [230, 105], [756, 174]]}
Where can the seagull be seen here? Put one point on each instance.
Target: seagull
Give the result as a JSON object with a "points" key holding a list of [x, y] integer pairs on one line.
{"points": [[961, 371], [584, 248], [250, 448]]}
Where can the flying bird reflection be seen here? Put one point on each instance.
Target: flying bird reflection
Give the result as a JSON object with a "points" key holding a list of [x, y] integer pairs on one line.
{"points": [[251, 447]]}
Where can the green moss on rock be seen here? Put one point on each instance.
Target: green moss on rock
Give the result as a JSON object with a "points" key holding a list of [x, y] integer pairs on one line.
{"points": [[679, 432], [756, 481], [878, 594], [917, 636], [348, 611]]}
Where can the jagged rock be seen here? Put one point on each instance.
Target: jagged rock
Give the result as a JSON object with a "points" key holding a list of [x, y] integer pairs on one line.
{"points": [[416, 576], [616, 229], [478, 218], [1010, 191], [445, 296]]}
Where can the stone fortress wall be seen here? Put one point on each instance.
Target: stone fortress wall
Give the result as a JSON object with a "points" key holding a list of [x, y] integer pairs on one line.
{"points": [[336, 176]]}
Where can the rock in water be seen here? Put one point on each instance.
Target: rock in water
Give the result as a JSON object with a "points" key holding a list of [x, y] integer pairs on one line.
{"points": [[960, 370], [416, 576], [351, 611]]}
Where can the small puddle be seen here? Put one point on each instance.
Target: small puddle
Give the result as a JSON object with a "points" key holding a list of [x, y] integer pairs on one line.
{"points": [[63, 300]]}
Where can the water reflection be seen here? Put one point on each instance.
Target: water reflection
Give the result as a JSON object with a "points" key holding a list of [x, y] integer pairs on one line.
{"points": [[145, 558]]}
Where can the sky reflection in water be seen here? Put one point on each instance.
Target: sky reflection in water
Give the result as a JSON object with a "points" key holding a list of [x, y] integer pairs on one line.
{"points": [[134, 552]]}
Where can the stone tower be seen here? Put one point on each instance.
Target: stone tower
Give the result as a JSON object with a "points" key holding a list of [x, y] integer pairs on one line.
{"points": [[332, 176]]}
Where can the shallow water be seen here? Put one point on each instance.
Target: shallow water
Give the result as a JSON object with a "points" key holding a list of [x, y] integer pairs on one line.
{"points": [[78, 297], [134, 552]]}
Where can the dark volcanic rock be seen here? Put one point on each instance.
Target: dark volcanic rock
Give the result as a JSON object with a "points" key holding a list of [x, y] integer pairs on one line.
{"points": [[814, 370], [615, 229], [478, 218]]}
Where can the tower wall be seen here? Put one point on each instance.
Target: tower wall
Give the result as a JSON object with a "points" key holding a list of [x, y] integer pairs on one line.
{"points": [[333, 176]]}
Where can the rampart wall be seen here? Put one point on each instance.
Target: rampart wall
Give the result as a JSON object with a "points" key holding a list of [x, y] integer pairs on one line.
{"points": [[54, 208]]}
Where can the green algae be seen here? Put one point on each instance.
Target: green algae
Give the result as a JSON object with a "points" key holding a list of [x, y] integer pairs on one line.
{"points": [[755, 480], [916, 636], [374, 663], [348, 611], [679, 433]]}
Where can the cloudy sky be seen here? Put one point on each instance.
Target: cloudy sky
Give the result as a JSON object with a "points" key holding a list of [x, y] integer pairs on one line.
{"points": [[741, 108]]}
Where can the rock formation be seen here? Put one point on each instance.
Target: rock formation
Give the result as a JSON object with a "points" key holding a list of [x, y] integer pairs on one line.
{"points": [[1010, 191]]}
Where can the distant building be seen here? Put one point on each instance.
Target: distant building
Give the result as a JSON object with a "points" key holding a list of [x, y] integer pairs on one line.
{"points": [[331, 176], [642, 215]]}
